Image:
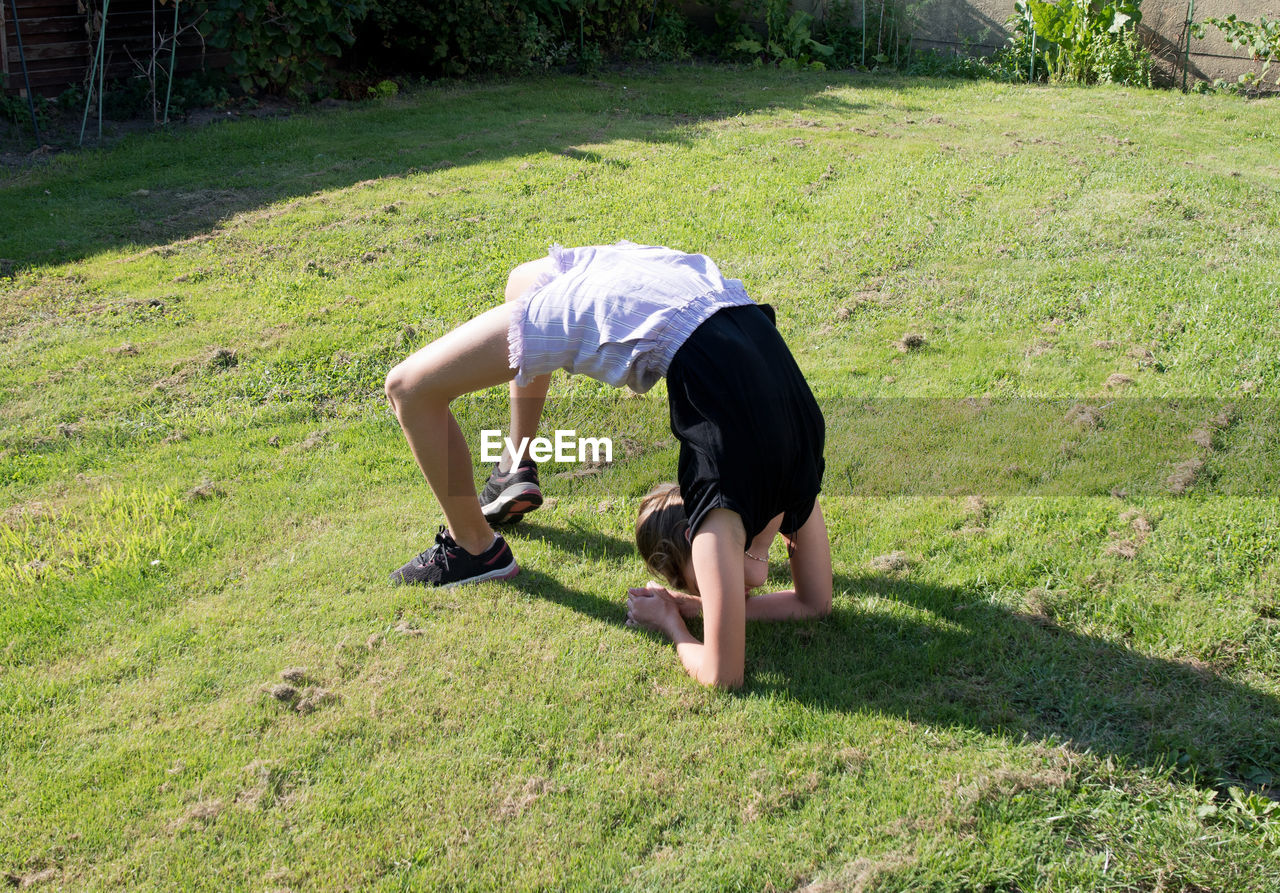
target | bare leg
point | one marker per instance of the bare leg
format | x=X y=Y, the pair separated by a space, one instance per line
x=526 y=401
x=470 y=358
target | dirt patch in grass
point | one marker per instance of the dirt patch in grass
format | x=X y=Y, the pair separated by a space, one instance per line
x=975 y=512
x=1125 y=544
x=267 y=787
x=861 y=875
x=312 y=440
x=1005 y=783
x=198 y=816
x=1144 y=356
x=207 y=489
x=214 y=359
x=27 y=513
x=518 y=802
x=910 y=341
x=1041 y=610
x=1084 y=417
x=220 y=358
x=282 y=692
x=1205 y=436
x=301 y=700
x=32 y=878
x=1117 y=380
x=312 y=698
x=892 y=562
x=1126 y=549
x=1223 y=418
x=785 y=795
x=1184 y=476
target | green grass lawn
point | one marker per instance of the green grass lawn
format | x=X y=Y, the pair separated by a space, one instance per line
x=1054 y=657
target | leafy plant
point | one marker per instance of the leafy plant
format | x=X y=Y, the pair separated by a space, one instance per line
x=384 y=89
x=1085 y=41
x=788 y=39
x=1261 y=39
x=466 y=37
x=1241 y=808
x=15 y=109
x=281 y=45
x=932 y=63
x=876 y=40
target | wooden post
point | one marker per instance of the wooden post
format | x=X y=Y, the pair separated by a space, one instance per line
x=4 y=42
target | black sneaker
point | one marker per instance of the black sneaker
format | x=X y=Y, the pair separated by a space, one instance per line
x=447 y=564
x=507 y=497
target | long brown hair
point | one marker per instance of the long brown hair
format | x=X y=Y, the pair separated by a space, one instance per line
x=661 y=526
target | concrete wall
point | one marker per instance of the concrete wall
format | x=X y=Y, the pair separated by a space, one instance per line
x=979 y=24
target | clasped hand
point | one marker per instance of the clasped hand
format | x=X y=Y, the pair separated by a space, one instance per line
x=653 y=606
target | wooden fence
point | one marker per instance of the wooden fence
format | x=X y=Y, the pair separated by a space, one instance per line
x=60 y=38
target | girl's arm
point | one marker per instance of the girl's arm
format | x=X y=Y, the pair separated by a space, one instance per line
x=810 y=552
x=717 y=562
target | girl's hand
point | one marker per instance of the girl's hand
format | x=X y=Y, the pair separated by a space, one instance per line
x=651 y=608
x=689 y=606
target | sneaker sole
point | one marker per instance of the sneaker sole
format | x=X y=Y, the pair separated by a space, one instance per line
x=512 y=504
x=504 y=573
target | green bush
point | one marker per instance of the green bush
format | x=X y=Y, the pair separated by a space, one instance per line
x=931 y=63
x=280 y=45
x=466 y=37
x=453 y=39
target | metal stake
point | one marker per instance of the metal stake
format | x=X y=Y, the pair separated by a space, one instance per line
x=26 y=79
x=1186 y=60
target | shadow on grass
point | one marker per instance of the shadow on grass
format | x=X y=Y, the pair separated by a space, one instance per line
x=573 y=541
x=156 y=188
x=972 y=664
x=978 y=665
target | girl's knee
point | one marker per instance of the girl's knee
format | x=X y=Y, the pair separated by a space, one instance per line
x=524 y=276
x=406 y=383
x=397 y=385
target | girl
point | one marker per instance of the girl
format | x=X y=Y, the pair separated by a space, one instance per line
x=751 y=437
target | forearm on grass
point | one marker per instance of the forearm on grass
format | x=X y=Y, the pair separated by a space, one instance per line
x=764 y=606
x=783 y=605
x=717 y=561
x=690 y=651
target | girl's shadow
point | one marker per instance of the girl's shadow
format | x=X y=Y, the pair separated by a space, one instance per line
x=947 y=657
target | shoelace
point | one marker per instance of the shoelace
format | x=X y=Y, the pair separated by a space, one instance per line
x=441 y=547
